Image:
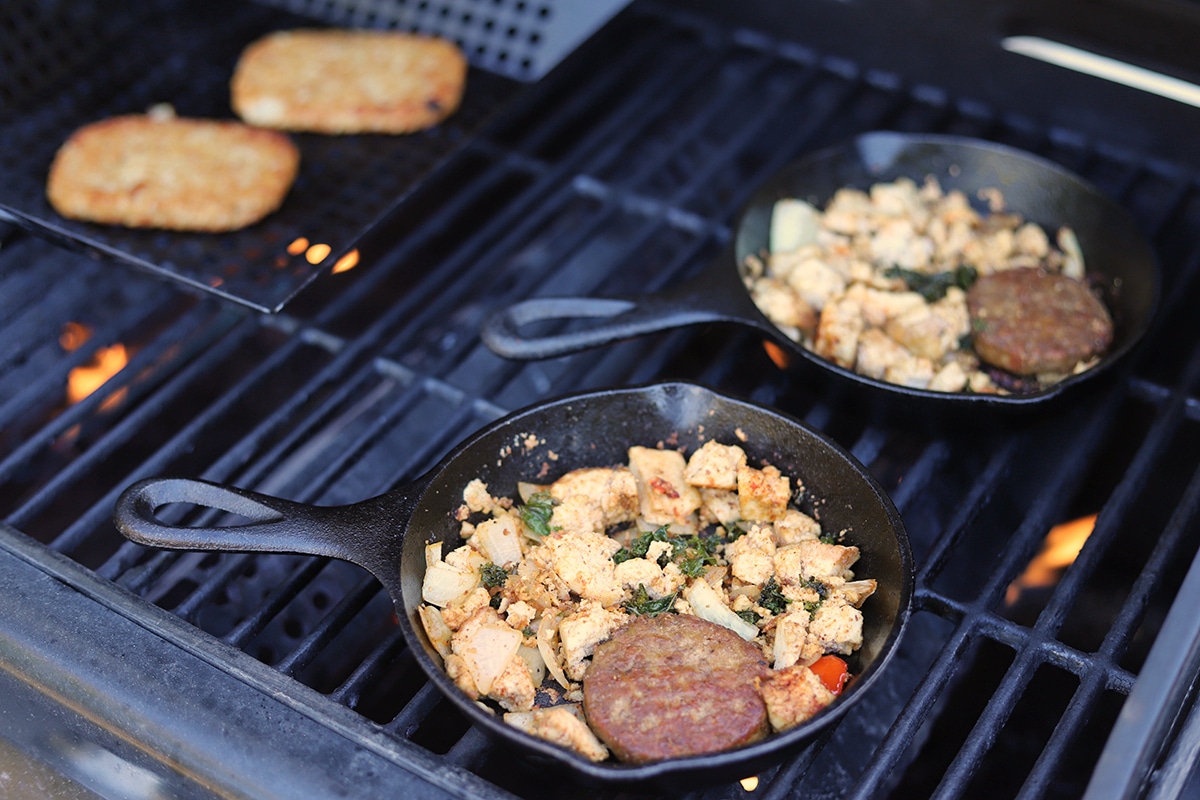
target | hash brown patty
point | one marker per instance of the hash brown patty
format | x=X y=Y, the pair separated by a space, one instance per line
x=674 y=685
x=339 y=81
x=149 y=171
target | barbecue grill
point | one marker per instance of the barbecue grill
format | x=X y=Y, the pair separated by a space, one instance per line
x=328 y=376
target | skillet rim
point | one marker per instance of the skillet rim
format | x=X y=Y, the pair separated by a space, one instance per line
x=770 y=750
x=852 y=150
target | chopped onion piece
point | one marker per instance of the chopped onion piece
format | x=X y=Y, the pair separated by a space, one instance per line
x=794 y=224
x=444 y=584
x=436 y=628
x=707 y=605
x=547 y=630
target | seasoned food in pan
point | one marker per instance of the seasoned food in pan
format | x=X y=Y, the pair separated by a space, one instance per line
x=911 y=285
x=678 y=602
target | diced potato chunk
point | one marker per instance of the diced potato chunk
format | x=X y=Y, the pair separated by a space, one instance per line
x=664 y=495
x=763 y=494
x=792 y=695
x=721 y=505
x=715 y=466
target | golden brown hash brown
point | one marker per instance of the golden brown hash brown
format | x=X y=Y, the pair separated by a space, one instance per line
x=144 y=171
x=338 y=81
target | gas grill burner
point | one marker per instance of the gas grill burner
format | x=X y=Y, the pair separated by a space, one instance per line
x=1052 y=648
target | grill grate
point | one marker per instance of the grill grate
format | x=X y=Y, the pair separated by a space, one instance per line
x=606 y=182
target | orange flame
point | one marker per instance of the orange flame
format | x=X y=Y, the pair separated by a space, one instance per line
x=777 y=354
x=85 y=379
x=1059 y=550
x=317 y=253
x=346 y=262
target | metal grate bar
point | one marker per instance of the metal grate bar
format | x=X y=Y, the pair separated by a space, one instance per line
x=1074 y=718
x=310 y=567
x=53 y=380
x=1144 y=725
x=386 y=654
x=415 y=710
x=269 y=608
x=1041 y=512
x=120 y=433
x=329 y=627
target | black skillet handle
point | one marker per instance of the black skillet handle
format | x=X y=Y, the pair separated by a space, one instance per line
x=715 y=295
x=358 y=533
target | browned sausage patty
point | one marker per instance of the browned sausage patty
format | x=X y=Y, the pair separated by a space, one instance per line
x=1028 y=321
x=674 y=685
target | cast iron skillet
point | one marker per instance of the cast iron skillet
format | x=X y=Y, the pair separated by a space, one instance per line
x=387 y=534
x=1115 y=253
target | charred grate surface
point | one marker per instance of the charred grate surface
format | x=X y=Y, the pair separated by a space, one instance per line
x=90 y=62
x=607 y=182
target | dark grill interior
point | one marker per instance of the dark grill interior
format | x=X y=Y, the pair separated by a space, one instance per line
x=621 y=172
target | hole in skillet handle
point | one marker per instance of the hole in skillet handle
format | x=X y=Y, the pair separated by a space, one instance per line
x=1116 y=254
x=544 y=441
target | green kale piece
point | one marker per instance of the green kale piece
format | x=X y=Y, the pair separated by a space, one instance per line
x=641 y=603
x=641 y=545
x=749 y=616
x=772 y=597
x=537 y=511
x=493 y=575
x=696 y=553
x=822 y=591
x=735 y=530
x=933 y=287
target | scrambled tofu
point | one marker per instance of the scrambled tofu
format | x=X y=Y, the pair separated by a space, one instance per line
x=792 y=695
x=875 y=282
x=752 y=557
x=528 y=598
x=715 y=466
x=562 y=725
x=812 y=558
x=584 y=562
x=582 y=631
x=613 y=491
